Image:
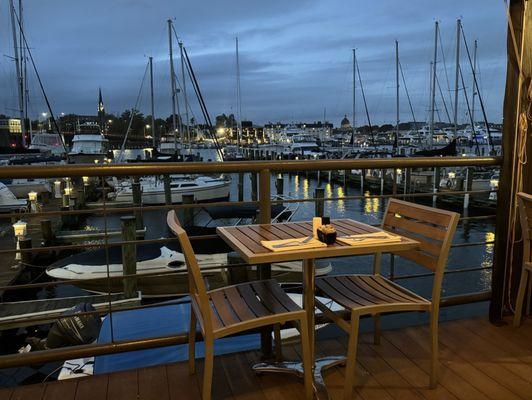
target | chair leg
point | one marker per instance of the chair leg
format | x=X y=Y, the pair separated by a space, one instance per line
x=208 y=369
x=278 y=344
x=520 y=298
x=192 y=343
x=307 y=360
x=351 y=361
x=433 y=349
x=377 y=329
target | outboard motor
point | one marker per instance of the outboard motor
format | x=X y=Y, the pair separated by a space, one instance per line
x=72 y=329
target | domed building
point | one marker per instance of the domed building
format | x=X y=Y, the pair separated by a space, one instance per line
x=345 y=123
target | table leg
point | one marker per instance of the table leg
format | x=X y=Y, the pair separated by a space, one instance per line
x=295 y=367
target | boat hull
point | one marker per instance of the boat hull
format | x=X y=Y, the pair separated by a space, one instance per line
x=201 y=195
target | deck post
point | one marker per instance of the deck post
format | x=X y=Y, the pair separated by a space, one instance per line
x=137 y=202
x=81 y=198
x=362 y=177
x=129 y=255
x=319 y=195
x=66 y=200
x=47 y=232
x=65 y=218
x=240 y=186
x=188 y=212
x=167 y=190
x=265 y=270
x=436 y=185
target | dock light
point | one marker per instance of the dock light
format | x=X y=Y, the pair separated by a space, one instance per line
x=399 y=171
x=68 y=191
x=494 y=183
x=451 y=175
x=95 y=161
x=20 y=229
x=85 y=180
x=57 y=189
x=32 y=196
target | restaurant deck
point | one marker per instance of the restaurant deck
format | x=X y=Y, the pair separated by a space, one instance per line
x=478 y=361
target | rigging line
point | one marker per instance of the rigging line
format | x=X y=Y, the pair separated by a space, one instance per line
x=409 y=101
x=365 y=106
x=52 y=117
x=443 y=100
x=202 y=103
x=445 y=68
x=469 y=110
x=133 y=112
x=481 y=101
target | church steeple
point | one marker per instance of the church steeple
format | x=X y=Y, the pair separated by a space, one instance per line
x=101 y=111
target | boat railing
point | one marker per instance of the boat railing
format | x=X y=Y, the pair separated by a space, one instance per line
x=263 y=175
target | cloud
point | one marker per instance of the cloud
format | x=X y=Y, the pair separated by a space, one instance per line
x=295 y=55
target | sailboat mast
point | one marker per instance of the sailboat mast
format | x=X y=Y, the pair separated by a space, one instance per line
x=238 y=99
x=23 y=68
x=184 y=83
x=458 y=29
x=354 y=96
x=396 y=94
x=20 y=80
x=172 y=82
x=473 y=95
x=433 y=90
x=153 y=131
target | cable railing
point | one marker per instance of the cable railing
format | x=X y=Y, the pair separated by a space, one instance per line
x=261 y=174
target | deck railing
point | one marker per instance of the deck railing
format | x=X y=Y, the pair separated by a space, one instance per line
x=261 y=197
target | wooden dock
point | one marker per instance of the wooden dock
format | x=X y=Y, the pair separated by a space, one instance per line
x=478 y=361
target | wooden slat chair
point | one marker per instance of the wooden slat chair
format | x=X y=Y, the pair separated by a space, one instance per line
x=232 y=309
x=525 y=218
x=374 y=294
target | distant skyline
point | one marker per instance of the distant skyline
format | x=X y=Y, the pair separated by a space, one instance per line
x=295 y=57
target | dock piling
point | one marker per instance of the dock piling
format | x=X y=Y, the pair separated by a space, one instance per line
x=25 y=256
x=167 y=190
x=137 y=202
x=319 y=194
x=279 y=185
x=47 y=232
x=468 y=187
x=435 y=185
x=240 y=186
x=129 y=255
x=188 y=213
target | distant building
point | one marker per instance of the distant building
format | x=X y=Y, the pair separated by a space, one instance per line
x=345 y=124
x=280 y=132
x=10 y=132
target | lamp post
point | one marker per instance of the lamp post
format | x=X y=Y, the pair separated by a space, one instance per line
x=21 y=230
x=57 y=189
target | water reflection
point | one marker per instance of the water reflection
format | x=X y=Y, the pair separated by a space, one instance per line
x=487 y=259
x=371 y=204
x=340 y=203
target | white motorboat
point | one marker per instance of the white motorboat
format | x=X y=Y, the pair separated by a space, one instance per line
x=8 y=201
x=89 y=145
x=203 y=188
x=171 y=266
x=21 y=187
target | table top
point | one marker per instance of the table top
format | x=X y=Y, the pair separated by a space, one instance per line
x=245 y=239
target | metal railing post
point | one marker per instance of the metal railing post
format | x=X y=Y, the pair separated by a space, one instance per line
x=129 y=255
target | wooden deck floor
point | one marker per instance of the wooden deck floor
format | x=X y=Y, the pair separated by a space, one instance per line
x=478 y=361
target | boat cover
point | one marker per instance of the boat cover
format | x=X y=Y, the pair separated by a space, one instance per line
x=169 y=319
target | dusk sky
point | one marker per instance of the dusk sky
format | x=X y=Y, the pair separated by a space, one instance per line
x=295 y=56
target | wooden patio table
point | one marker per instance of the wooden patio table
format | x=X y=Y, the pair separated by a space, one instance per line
x=246 y=240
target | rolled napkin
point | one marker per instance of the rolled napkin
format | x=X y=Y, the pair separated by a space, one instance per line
x=292 y=244
x=369 y=238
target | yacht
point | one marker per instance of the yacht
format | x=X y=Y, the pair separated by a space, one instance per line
x=21 y=187
x=203 y=188
x=47 y=142
x=89 y=145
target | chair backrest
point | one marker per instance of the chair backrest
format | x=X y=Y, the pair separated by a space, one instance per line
x=431 y=227
x=196 y=285
x=525 y=218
